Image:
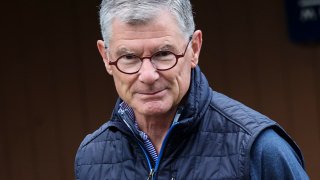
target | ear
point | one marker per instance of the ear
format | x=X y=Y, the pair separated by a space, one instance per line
x=103 y=53
x=196 y=44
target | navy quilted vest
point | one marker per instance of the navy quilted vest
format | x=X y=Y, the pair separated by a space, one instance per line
x=211 y=141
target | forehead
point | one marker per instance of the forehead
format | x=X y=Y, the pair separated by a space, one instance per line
x=162 y=28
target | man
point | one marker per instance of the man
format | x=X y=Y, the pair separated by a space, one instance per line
x=168 y=123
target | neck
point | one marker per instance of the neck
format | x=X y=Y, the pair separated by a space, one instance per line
x=155 y=127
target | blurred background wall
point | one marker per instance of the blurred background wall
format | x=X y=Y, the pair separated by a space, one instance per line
x=54 y=89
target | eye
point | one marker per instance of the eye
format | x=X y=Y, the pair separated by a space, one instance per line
x=162 y=54
x=128 y=56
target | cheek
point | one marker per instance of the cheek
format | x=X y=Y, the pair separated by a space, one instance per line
x=185 y=72
x=183 y=81
x=122 y=85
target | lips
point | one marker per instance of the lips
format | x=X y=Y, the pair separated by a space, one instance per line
x=152 y=93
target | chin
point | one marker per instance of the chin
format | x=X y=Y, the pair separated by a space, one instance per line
x=152 y=109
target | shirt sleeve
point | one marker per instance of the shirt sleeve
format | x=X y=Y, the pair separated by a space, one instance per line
x=272 y=157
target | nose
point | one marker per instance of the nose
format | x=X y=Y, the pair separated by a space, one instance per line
x=148 y=73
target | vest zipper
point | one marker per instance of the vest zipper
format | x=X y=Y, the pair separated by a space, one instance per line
x=150 y=177
x=151 y=169
x=140 y=143
x=174 y=123
x=162 y=148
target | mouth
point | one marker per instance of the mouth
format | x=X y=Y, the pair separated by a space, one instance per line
x=153 y=93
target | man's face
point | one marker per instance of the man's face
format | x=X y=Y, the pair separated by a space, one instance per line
x=150 y=92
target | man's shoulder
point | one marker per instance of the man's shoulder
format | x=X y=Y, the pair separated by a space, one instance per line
x=105 y=147
x=93 y=147
x=260 y=130
x=93 y=144
x=96 y=135
x=242 y=116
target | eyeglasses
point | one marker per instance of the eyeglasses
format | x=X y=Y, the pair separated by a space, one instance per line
x=161 y=60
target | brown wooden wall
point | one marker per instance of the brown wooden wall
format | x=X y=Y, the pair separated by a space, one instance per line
x=54 y=90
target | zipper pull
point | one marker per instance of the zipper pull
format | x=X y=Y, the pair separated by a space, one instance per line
x=150 y=177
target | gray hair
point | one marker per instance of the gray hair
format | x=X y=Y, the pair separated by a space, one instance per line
x=135 y=12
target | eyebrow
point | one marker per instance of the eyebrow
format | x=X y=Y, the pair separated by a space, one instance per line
x=123 y=51
x=167 y=47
